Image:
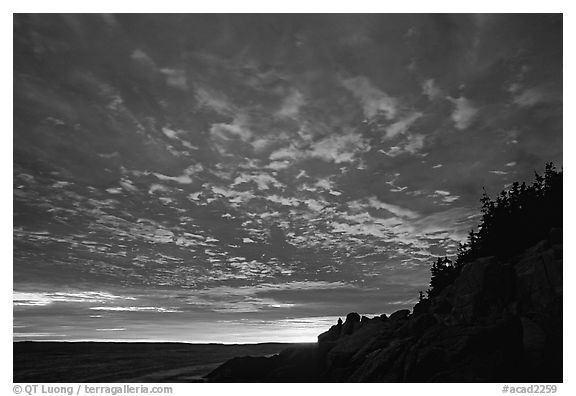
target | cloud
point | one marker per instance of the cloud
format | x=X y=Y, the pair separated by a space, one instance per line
x=415 y=143
x=454 y=223
x=135 y=309
x=291 y=105
x=155 y=187
x=175 y=135
x=286 y=201
x=445 y=196
x=262 y=180
x=277 y=165
x=230 y=131
x=176 y=78
x=464 y=112
x=394 y=209
x=47 y=298
x=184 y=178
x=215 y=101
x=333 y=148
x=412 y=144
x=225 y=136
x=113 y=329
x=359 y=229
x=262 y=144
x=401 y=127
x=235 y=198
x=529 y=97
x=142 y=56
x=339 y=148
x=431 y=90
x=373 y=100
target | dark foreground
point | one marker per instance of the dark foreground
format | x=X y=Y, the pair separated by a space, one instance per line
x=126 y=362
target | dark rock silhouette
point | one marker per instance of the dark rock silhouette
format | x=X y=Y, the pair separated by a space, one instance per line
x=297 y=364
x=487 y=318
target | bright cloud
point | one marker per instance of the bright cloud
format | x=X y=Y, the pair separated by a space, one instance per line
x=528 y=97
x=401 y=126
x=464 y=112
x=373 y=100
x=431 y=90
x=291 y=105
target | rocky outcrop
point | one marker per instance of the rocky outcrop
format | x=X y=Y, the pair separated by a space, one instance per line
x=298 y=364
x=499 y=321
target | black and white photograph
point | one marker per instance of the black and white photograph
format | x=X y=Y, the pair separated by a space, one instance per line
x=287 y=198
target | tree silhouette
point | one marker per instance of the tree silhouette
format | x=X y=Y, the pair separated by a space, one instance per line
x=517 y=218
x=443 y=274
x=512 y=222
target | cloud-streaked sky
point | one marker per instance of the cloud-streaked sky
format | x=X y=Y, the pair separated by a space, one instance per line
x=249 y=178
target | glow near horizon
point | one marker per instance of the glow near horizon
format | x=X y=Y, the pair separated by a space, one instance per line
x=294 y=330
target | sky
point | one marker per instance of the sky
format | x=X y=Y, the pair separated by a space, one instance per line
x=253 y=177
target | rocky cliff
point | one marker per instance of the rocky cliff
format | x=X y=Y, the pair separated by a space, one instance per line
x=499 y=321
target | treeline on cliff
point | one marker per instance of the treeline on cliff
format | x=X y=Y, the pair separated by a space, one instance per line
x=514 y=220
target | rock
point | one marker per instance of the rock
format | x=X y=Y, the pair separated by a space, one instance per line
x=245 y=369
x=400 y=315
x=329 y=339
x=441 y=306
x=555 y=237
x=344 y=353
x=463 y=353
x=417 y=326
x=331 y=335
x=384 y=364
x=539 y=277
x=296 y=364
x=533 y=340
x=352 y=319
x=421 y=307
x=497 y=290
x=468 y=287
